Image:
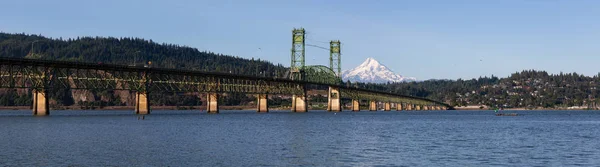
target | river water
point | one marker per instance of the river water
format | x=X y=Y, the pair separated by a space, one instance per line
x=281 y=138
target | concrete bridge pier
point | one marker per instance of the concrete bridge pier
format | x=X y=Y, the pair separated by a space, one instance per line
x=40 y=103
x=212 y=103
x=334 y=104
x=142 y=104
x=398 y=106
x=299 y=103
x=418 y=108
x=387 y=106
x=355 y=105
x=262 y=103
x=409 y=107
x=372 y=105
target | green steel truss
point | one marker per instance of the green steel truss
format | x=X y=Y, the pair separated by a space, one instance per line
x=31 y=74
x=298 y=48
x=387 y=97
x=49 y=75
x=335 y=58
x=321 y=74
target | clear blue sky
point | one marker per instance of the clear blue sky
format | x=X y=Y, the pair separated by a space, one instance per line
x=424 y=39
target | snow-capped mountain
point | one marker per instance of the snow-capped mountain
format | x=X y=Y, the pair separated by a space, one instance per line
x=374 y=72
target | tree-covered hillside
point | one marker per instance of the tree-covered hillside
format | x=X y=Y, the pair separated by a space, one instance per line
x=128 y=51
x=124 y=51
x=526 y=89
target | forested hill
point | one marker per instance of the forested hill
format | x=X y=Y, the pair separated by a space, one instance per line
x=126 y=51
x=525 y=89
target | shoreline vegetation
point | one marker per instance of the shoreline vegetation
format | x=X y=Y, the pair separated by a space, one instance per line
x=522 y=108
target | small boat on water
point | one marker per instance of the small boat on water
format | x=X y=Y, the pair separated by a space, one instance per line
x=507 y=114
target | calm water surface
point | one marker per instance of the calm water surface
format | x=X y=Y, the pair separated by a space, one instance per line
x=281 y=138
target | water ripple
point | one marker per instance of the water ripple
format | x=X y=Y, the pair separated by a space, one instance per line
x=187 y=138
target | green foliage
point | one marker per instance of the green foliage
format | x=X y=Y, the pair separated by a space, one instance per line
x=528 y=88
x=131 y=51
x=127 y=51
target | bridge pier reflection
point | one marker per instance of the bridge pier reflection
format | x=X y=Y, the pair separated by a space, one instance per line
x=142 y=105
x=40 y=103
x=262 y=103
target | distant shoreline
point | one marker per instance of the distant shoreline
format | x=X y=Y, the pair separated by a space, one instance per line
x=520 y=109
x=247 y=108
x=133 y=107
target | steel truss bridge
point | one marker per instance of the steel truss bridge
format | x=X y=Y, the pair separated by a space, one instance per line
x=43 y=75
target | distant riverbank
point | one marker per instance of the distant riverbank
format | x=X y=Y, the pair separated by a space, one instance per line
x=245 y=108
x=520 y=109
x=133 y=107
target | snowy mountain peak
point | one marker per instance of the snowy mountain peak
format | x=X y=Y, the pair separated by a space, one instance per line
x=373 y=71
x=370 y=62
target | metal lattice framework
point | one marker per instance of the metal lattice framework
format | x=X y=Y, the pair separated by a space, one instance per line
x=386 y=97
x=37 y=74
x=335 y=58
x=321 y=74
x=49 y=75
x=298 y=48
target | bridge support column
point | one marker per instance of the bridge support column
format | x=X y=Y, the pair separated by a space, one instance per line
x=418 y=108
x=333 y=103
x=399 y=107
x=142 y=105
x=212 y=103
x=40 y=103
x=262 y=103
x=355 y=105
x=372 y=106
x=387 y=106
x=299 y=103
x=409 y=106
